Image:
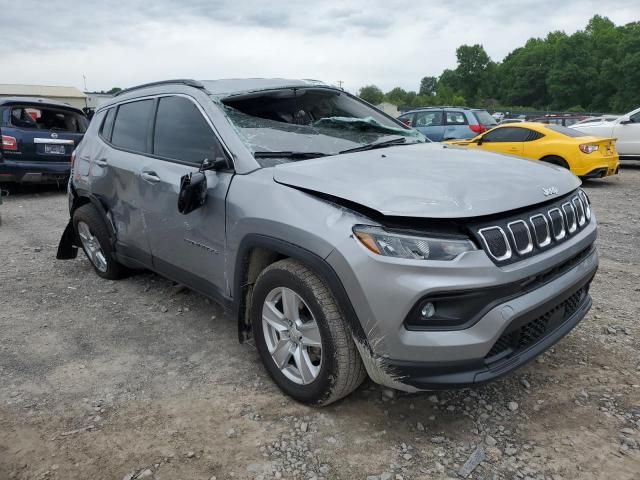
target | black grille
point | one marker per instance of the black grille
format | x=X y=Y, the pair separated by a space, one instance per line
x=496 y=241
x=516 y=340
x=540 y=229
x=520 y=236
x=507 y=240
x=570 y=215
x=557 y=223
x=577 y=204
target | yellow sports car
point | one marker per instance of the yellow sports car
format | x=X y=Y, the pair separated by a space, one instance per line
x=585 y=156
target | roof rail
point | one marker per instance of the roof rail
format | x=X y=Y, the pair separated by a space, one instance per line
x=179 y=81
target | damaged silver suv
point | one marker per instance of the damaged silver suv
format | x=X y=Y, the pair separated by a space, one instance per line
x=345 y=243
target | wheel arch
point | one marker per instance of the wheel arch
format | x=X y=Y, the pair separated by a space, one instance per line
x=256 y=252
x=556 y=160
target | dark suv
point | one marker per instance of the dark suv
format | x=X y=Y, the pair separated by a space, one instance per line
x=38 y=137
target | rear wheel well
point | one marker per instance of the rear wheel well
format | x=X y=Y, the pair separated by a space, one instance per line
x=556 y=160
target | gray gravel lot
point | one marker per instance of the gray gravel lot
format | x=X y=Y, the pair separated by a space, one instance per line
x=139 y=379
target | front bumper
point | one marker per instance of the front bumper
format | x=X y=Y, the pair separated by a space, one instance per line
x=526 y=337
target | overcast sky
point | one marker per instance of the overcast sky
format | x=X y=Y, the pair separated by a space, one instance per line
x=388 y=43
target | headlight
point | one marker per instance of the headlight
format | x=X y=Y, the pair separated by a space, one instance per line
x=415 y=247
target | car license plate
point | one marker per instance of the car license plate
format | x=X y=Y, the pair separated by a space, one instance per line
x=54 y=149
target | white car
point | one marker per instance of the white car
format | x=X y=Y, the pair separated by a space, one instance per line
x=626 y=129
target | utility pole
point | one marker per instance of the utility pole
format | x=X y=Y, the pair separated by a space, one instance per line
x=84 y=78
x=340 y=82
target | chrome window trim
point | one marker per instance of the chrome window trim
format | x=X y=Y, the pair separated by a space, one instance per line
x=529 y=247
x=158 y=96
x=582 y=219
x=570 y=228
x=564 y=230
x=547 y=241
x=508 y=252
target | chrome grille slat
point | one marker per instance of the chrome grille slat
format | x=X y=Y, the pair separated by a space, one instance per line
x=529 y=244
x=579 y=207
x=570 y=216
x=491 y=243
x=547 y=238
x=561 y=233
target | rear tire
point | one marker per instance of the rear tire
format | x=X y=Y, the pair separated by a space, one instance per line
x=93 y=235
x=333 y=365
x=555 y=160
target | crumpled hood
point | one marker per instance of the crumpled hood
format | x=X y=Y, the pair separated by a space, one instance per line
x=430 y=180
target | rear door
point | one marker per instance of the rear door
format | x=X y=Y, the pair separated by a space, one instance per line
x=456 y=125
x=430 y=123
x=114 y=165
x=189 y=248
x=44 y=134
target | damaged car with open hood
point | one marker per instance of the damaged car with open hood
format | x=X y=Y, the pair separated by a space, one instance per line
x=344 y=243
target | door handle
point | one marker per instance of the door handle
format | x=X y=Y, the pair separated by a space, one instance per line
x=102 y=162
x=150 y=177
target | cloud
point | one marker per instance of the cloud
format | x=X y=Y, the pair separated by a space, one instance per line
x=389 y=43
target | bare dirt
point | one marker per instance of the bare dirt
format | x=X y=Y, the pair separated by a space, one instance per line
x=137 y=379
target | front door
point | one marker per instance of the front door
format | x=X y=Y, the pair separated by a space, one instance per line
x=509 y=140
x=430 y=124
x=628 y=135
x=188 y=248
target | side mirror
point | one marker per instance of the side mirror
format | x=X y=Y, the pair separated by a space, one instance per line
x=193 y=192
x=478 y=141
x=625 y=120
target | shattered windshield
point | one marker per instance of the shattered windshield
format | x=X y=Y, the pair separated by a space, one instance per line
x=307 y=120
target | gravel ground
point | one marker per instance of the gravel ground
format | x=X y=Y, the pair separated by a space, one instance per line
x=140 y=379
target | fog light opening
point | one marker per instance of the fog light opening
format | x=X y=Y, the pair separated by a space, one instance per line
x=428 y=310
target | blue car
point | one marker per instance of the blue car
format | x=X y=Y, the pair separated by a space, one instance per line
x=38 y=138
x=448 y=123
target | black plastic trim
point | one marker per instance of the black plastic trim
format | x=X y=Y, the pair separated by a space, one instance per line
x=318 y=264
x=443 y=375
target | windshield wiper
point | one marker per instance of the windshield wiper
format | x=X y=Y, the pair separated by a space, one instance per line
x=374 y=145
x=291 y=155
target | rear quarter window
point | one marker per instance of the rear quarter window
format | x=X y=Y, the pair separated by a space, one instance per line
x=569 y=132
x=455 y=118
x=484 y=118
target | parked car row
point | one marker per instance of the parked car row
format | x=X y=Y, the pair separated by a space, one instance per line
x=446 y=123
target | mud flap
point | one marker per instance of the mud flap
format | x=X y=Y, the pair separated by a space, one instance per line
x=67 y=248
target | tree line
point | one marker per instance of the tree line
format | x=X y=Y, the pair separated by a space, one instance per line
x=596 y=69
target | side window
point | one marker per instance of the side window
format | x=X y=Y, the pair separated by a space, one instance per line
x=635 y=118
x=131 y=126
x=407 y=119
x=429 y=119
x=507 y=134
x=182 y=133
x=455 y=118
x=531 y=135
x=107 y=124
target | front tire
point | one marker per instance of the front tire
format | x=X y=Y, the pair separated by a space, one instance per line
x=93 y=236
x=301 y=336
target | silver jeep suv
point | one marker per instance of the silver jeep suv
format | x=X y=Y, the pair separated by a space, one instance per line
x=345 y=243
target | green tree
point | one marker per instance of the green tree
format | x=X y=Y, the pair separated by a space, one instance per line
x=428 y=86
x=114 y=90
x=397 y=96
x=371 y=94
